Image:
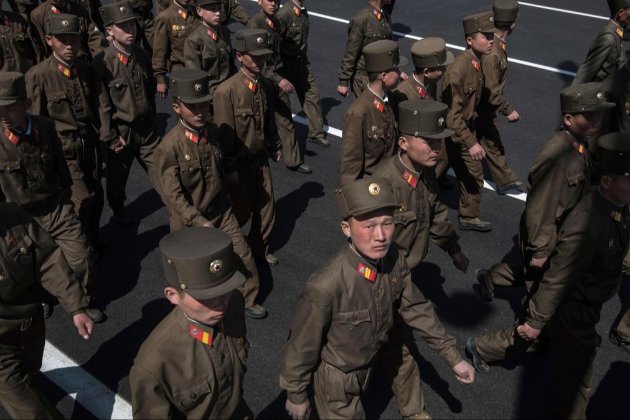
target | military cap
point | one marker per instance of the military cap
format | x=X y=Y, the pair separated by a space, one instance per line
x=365 y=195
x=430 y=52
x=62 y=24
x=190 y=86
x=584 y=97
x=253 y=42
x=617 y=5
x=505 y=10
x=200 y=262
x=12 y=87
x=382 y=55
x=119 y=12
x=200 y=3
x=479 y=22
x=613 y=154
x=425 y=119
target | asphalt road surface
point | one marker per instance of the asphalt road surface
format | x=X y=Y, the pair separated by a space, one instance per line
x=90 y=379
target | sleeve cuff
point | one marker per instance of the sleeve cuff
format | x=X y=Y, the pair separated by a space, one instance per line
x=297 y=398
x=343 y=83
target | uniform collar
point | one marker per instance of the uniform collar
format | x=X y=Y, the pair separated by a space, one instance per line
x=578 y=144
x=409 y=175
x=66 y=69
x=364 y=268
x=500 y=42
x=15 y=136
x=193 y=134
x=184 y=12
x=211 y=31
x=122 y=55
x=419 y=87
x=616 y=28
x=251 y=83
x=205 y=334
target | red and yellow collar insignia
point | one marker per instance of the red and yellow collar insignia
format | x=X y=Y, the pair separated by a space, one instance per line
x=66 y=71
x=579 y=147
x=297 y=11
x=55 y=10
x=410 y=179
x=616 y=216
x=195 y=137
x=378 y=104
x=13 y=138
x=124 y=58
x=182 y=13
x=619 y=32
x=421 y=91
x=251 y=85
x=212 y=34
x=377 y=14
x=366 y=272
x=476 y=64
x=503 y=45
x=200 y=335
x=270 y=23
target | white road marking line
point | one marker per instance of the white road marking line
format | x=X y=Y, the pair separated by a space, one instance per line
x=338 y=133
x=570 y=12
x=82 y=386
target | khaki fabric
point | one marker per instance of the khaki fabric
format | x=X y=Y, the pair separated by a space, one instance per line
x=19 y=52
x=604 y=57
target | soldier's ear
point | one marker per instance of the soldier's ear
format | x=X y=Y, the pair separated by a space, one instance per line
x=109 y=29
x=48 y=39
x=172 y=295
x=567 y=120
x=469 y=41
x=176 y=107
x=402 y=143
x=345 y=228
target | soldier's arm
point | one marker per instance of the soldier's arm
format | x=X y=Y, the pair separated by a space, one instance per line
x=595 y=59
x=352 y=150
x=37 y=32
x=453 y=95
x=310 y=325
x=491 y=74
x=108 y=131
x=442 y=231
x=161 y=48
x=225 y=120
x=271 y=129
x=237 y=12
x=36 y=93
x=148 y=399
x=192 y=53
x=61 y=163
x=354 y=44
x=95 y=37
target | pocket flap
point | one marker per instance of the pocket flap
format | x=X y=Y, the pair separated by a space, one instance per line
x=354 y=318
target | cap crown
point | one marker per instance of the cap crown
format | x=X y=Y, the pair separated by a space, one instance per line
x=12 y=87
x=479 y=22
x=62 y=24
x=365 y=195
x=613 y=154
x=616 y=5
x=381 y=55
x=189 y=85
x=252 y=40
x=423 y=119
x=583 y=97
x=505 y=10
x=429 y=53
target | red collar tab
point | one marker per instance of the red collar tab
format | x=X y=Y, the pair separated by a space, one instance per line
x=5 y=20
x=410 y=179
x=378 y=104
x=619 y=32
x=182 y=13
x=503 y=45
x=421 y=91
x=270 y=23
x=366 y=272
x=195 y=137
x=297 y=11
x=13 y=138
x=200 y=335
x=67 y=71
x=251 y=85
x=212 y=34
x=124 y=58
x=476 y=64
x=579 y=147
x=377 y=14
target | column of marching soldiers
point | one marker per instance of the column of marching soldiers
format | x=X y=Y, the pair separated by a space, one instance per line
x=77 y=89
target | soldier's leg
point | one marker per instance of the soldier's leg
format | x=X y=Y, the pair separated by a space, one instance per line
x=241 y=193
x=263 y=212
x=506 y=344
x=286 y=131
x=245 y=261
x=359 y=83
x=308 y=94
x=499 y=169
x=118 y=167
x=148 y=140
x=470 y=176
x=337 y=394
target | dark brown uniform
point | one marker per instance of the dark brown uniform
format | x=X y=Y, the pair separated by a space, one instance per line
x=366 y=26
x=369 y=136
x=230 y=9
x=295 y=65
x=29 y=260
x=146 y=24
x=604 y=57
x=17 y=50
x=91 y=40
x=69 y=95
x=617 y=90
x=127 y=110
x=176 y=374
x=345 y=314
x=193 y=182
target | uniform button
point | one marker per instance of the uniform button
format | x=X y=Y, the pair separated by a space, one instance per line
x=381 y=292
x=190 y=170
x=187 y=157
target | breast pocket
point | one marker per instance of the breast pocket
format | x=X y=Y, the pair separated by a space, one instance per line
x=376 y=141
x=58 y=103
x=470 y=87
x=10 y=166
x=117 y=90
x=16 y=275
x=191 y=173
x=190 y=398
x=356 y=323
x=405 y=229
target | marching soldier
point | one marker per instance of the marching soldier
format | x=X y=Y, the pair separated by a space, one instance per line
x=336 y=335
x=193 y=180
x=369 y=125
x=30 y=262
x=18 y=52
x=66 y=90
x=146 y=24
x=127 y=105
x=193 y=363
x=368 y=25
x=297 y=69
x=230 y=9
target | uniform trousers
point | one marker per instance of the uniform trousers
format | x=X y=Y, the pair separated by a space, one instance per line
x=299 y=73
x=284 y=121
x=338 y=394
x=489 y=138
x=142 y=139
x=21 y=352
x=442 y=163
x=359 y=82
x=253 y=198
x=469 y=173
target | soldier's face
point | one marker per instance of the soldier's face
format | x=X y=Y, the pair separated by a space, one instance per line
x=391 y=77
x=616 y=188
x=183 y=2
x=270 y=7
x=481 y=43
x=195 y=115
x=123 y=33
x=252 y=63
x=210 y=13
x=371 y=234
x=420 y=151
x=435 y=73
x=585 y=126
x=65 y=46
x=14 y=115
x=206 y=311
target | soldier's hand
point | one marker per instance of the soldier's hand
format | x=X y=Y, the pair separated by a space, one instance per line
x=162 y=89
x=286 y=86
x=527 y=333
x=232 y=178
x=343 y=90
x=538 y=262
x=277 y=156
x=464 y=372
x=513 y=117
x=404 y=76
x=298 y=411
x=477 y=152
x=84 y=324
x=117 y=145
x=460 y=260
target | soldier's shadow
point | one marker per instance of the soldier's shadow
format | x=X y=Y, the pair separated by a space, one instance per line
x=613 y=390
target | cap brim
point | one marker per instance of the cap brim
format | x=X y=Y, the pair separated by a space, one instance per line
x=260 y=52
x=4 y=102
x=65 y=33
x=447 y=132
x=450 y=57
x=370 y=209
x=601 y=107
x=232 y=283
x=123 y=20
x=199 y=100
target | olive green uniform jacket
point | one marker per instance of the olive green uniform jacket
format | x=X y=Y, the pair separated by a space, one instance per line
x=604 y=57
x=421 y=215
x=17 y=51
x=369 y=136
x=617 y=89
x=178 y=375
x=495 y=73
x=273 y=26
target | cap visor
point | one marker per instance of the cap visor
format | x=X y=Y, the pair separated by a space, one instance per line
x=232 y=283
x=258 y=53
x=199 y=100
x=450 y=57
x=369 y=209
x=4 y=102
x=447 y=132
x=604 y=106
x=123 y=20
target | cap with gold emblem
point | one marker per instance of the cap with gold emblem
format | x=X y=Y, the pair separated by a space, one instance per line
x=429 y=53
x=613 y=154
x=200 y=262
x=617 y=5
x=426 y=119
x=62 y=24
x=365 y=195
x=12 y=87
x=190 y=86
x=479 y=22
x=584 y=97
x=253 y=42
x=118 y=12
x=505 y=10
x=382 y=55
